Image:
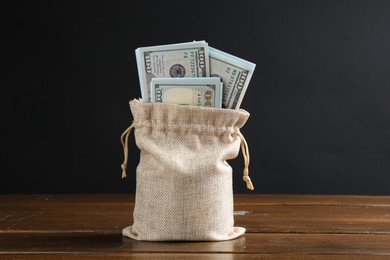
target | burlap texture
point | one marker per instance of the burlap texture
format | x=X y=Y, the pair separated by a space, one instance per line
x=184 y=185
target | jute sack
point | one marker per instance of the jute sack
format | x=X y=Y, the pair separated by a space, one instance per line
x=184 y=185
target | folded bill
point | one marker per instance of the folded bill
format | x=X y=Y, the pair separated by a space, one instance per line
x=188 y=91
x=189 y=59
x=235 y=74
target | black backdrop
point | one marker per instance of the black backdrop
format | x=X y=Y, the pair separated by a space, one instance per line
x=319 y=98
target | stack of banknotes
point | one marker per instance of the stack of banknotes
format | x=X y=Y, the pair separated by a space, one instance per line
x=192 y=73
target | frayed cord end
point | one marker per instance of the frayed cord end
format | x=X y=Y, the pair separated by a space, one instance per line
x=247 y=180
x=124 y=167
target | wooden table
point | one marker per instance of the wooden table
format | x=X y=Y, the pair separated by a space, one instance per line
x=278 y=227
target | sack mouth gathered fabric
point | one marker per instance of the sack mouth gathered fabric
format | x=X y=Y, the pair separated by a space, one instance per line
x=183 y=181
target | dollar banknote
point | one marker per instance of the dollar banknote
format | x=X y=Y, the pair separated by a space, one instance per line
x=235 y=74
x=189 y=59
x=188 y=91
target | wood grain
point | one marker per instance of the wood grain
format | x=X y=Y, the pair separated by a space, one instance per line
x=197 y=256
x=250 y=243
x=285 y=226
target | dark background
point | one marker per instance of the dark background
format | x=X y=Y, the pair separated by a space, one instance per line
x=319 y=98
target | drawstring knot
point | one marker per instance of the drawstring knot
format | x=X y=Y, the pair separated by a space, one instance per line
x=124 y=141
x=245 y=153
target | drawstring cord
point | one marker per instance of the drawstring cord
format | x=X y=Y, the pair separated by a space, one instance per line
x=124 y=141
x=245 y=153
x=244 y=149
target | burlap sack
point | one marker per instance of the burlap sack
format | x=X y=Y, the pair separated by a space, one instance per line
x=183 y=183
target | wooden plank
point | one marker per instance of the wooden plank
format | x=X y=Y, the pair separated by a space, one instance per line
x=51 y=216
x=197 y=256
x=304 y=200
x=111 y=213
x=278 y=226
x=314 y=219
x=293 y=244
